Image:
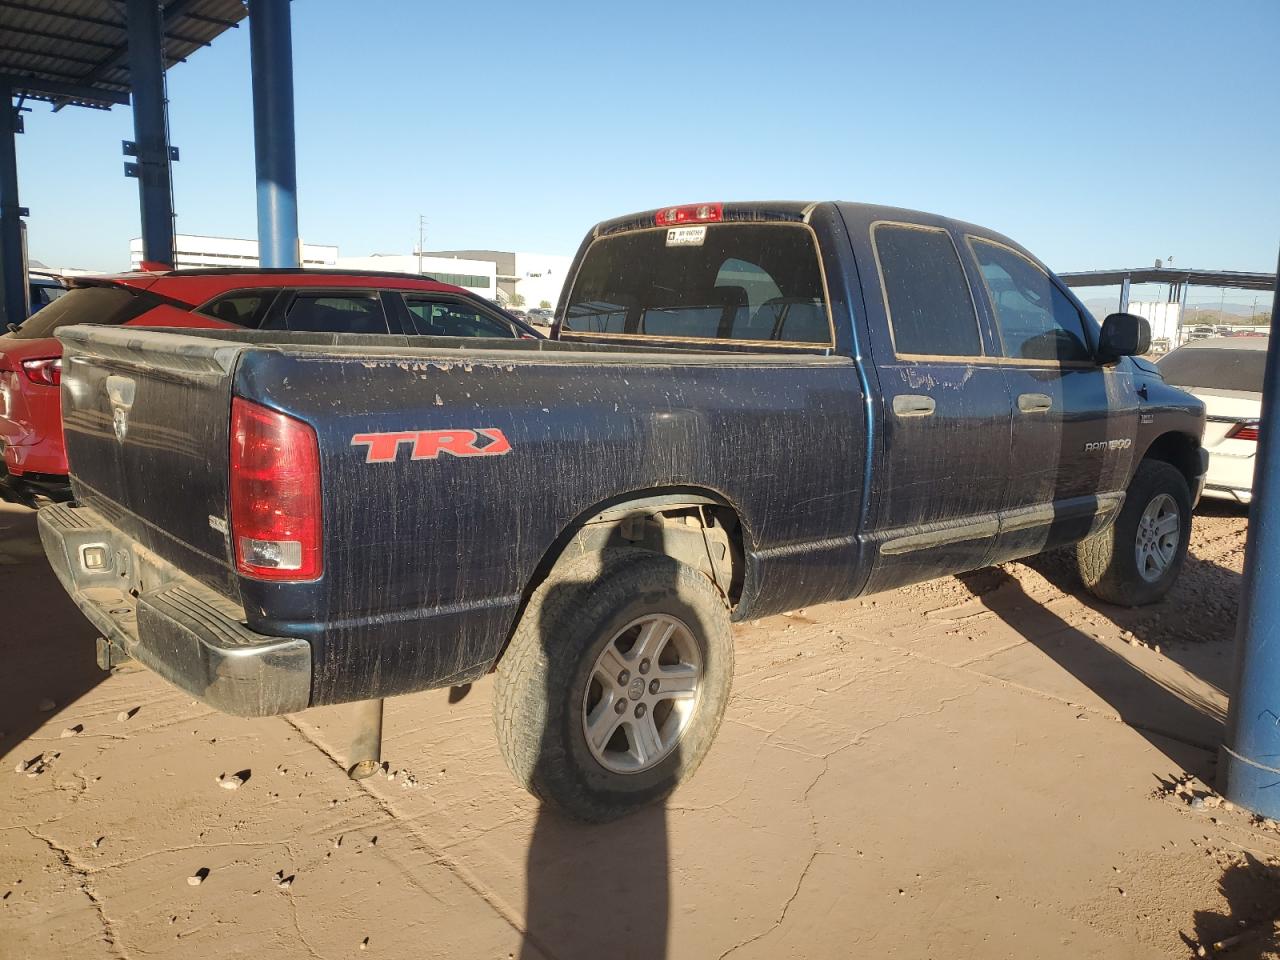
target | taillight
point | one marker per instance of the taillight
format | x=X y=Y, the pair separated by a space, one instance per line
x=694 y=213
x=46 y=372
x=1248 y=430
x=276 y=522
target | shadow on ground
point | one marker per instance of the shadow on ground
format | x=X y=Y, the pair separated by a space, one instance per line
x=46 y=644
x=1248 y=930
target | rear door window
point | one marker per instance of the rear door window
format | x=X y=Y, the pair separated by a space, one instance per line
x=446 y=318
x=721 y=281
x=1036 y=320
x=927 y=297
x=106 y=305
x=245 y=308
x=336 y=313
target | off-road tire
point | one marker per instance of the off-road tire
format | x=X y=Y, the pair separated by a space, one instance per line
x=542 y=677
x=1106 y=560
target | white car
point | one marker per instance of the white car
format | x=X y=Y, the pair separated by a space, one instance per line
x=1226 y=373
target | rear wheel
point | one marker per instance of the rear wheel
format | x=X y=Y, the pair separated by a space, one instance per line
x=1137 y=559
x=615 y=683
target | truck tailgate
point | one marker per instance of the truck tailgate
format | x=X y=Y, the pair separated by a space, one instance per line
x=146 y=418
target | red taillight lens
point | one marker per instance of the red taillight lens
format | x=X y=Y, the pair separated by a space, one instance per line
x=46 y=372
x=694 y=213
x=276 y=520
x=1244 y=431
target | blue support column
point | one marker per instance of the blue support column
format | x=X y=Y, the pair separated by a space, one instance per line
x=1249 y=767
x=13 y=261
x=150 y=129
x=271 y=54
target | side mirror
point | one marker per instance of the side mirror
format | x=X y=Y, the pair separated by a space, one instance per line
x=1123 y=335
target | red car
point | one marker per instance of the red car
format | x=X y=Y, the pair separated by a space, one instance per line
x=312 y=300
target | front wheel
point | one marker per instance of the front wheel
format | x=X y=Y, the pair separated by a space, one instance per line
x=1136 y=560
x=614 y=684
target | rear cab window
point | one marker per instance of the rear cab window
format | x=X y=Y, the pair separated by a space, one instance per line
x=108 y=305
x=758 y=283
x=927 y=296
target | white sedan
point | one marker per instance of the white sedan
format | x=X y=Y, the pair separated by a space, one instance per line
x=1226 y=373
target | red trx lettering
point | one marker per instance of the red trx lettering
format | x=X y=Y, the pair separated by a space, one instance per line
x=429 y=444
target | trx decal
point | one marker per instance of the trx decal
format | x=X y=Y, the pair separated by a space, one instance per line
x=429 y=444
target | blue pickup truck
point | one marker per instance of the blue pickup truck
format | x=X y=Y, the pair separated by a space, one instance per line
x=745 y=408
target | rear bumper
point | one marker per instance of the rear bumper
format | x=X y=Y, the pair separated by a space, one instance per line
x=187 y=633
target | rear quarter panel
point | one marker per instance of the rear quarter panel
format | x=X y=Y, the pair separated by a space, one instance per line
x=426 y=560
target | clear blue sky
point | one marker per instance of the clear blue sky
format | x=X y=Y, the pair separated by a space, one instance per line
x=1098 y=134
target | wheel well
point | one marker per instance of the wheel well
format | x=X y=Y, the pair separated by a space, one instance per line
x=694 y=526
x=1179 y=450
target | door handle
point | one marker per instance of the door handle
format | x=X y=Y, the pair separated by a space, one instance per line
x=911 y=405
x=1034 y=402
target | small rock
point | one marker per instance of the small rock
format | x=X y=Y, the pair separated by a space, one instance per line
x=233 y=782
x=1213 y=800
x=21 y=767
x=124 y=716
x=198 y=877
x=98 y=842
x=283 y=882
x=1197 y=803
x=392 y=775
x=364 y=944
x=46 y=705
x=72 y=731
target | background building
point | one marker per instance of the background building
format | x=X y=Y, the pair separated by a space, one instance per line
x=194 y=251
x=523 y=279
x=479 y=276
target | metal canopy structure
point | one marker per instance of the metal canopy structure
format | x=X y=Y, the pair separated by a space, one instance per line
x=104 y=53
x=1180 y=281
x=76 y=52
x=1200 y=278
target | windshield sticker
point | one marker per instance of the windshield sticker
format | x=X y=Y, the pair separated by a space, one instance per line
x=686 y=236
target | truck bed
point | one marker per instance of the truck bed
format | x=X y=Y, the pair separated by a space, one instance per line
x=428 y=558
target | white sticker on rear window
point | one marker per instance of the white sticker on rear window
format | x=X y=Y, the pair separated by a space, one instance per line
x=686 y=236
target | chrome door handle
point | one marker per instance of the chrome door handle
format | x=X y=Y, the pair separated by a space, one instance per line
x=911 y=405
x=1034 y=402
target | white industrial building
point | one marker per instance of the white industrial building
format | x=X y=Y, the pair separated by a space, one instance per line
x=526 y=280
x=195 y=251
x=478 y=276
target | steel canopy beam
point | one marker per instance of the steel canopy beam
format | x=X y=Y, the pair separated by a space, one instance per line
x=271 y=61
x=1250 y=759
x=13 y=266
x=57 y=88
x=151 y=129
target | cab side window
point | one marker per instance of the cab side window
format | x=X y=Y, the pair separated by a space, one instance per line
x=336 y=313
x=446 y=318
x=1035 y=319
x=927 y=297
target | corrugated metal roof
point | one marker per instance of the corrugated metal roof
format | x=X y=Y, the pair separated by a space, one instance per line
x=76 y=52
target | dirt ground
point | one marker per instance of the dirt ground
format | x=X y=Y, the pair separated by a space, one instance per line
x=985 y=766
